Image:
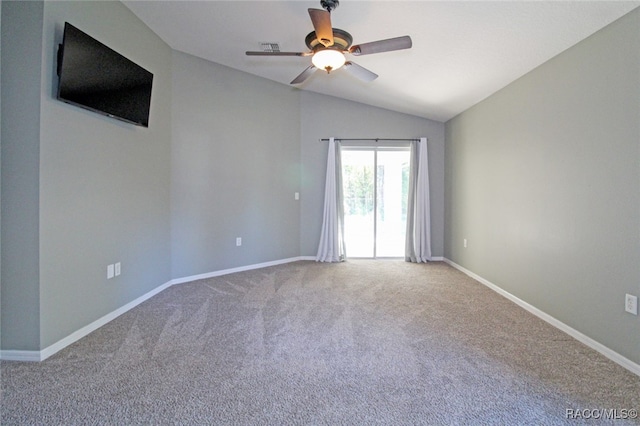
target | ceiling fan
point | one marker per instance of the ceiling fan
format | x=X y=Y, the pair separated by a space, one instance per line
x=328 y=46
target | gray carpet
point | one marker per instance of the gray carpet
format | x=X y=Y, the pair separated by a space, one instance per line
x=362 y=342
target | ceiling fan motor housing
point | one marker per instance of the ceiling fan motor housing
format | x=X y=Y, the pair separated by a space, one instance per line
x=341 y=40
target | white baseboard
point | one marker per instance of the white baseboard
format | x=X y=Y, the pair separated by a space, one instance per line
x=11 y=355
x=18 y=355
x=238 y=269
x=28 y=356
x=599 y=347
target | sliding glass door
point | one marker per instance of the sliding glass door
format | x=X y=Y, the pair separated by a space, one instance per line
x=375 y=188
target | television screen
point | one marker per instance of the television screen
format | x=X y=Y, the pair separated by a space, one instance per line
x=95 y=77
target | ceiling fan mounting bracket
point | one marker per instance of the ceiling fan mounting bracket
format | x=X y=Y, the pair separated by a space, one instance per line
x=329 y=5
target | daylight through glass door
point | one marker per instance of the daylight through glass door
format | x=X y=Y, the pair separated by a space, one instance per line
x=375 y=189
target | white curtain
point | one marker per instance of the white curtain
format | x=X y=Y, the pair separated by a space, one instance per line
x=332 y=247
x=418 y=241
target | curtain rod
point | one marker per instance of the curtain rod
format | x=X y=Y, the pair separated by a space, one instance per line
x=372 y=139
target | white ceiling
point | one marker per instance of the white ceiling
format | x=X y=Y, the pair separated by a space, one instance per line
x=463 y=51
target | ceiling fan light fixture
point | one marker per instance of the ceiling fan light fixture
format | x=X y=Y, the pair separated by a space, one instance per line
x=328 y=59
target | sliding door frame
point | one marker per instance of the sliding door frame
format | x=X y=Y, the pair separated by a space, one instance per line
x=360 y=146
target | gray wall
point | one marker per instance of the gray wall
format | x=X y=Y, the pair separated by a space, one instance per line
x=222 y=158
x=21 y=58
x=92 y=190
x=104 y=184
x=235 y=168
x=0 y=175
x=325 y=116
x=242 y=146
x=542 y=180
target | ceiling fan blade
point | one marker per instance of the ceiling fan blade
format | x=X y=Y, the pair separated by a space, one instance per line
x=388 y=45
x=304 y=75
x=359 y=72
x=322 y=24
x=249 y=53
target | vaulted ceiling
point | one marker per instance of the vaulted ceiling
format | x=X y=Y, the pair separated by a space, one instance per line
x=463 y=51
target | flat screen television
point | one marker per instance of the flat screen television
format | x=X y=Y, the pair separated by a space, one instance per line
x=95 y=77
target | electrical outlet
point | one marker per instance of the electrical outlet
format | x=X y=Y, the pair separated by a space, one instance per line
x=238 y=241
x=464 y=243
x=110 y=271
x=118 y=269
x=296 y=195
x=631 y=304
